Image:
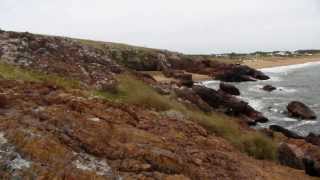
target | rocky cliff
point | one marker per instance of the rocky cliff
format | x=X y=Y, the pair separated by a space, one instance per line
x=65 y=113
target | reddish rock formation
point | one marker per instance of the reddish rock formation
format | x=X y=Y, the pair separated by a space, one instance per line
x=56 y=134
x=300 y=155
x=62 y=56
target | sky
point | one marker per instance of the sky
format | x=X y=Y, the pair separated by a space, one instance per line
x=187 y=26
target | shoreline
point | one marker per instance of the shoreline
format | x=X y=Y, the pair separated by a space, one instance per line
x=280 y=61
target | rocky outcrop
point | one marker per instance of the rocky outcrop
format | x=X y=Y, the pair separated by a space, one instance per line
x=299 y=110
x=189 y=95
x=51 y=133
x=300 y=155
x=230 y=104
x=230 y=89
x=239 y=73
x=286 y=132
x=269 y=88
x=62 y=56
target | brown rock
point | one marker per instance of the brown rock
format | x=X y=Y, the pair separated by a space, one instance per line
x=291 y=155
x=299 y=110
x=4 y=102
x=230 y=89
x=269 y=88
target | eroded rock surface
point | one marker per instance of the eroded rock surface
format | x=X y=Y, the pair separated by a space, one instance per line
x=62 y=56
x=54 y=133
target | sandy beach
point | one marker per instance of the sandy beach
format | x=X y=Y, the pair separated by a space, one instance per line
x=278 y=61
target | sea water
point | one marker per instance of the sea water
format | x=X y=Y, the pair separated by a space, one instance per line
x=294 y=83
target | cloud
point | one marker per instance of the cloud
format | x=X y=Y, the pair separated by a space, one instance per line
x=202 y=26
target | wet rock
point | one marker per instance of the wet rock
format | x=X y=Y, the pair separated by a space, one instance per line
x=286 y=132
x=269 y=88
x=299 y=110
x=230 y=89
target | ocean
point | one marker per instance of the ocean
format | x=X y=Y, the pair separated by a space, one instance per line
x=294 y=83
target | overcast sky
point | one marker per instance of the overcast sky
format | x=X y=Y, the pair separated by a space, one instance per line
x=189 y=26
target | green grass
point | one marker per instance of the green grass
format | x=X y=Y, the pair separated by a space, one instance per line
x=8 y=71
x=252 y=143
x=133 y=91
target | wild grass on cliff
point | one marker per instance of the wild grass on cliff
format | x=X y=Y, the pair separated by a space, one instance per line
x=252 y=143
x=8 y=71
x=134 y=91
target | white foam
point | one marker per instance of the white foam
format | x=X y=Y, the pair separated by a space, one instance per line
x=285 y=69
x=287 y=119
x=286 y=90
x=210 y=84
x=256 y=104
x=301 y=124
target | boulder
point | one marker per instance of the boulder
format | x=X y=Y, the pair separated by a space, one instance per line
x=300 y=155
x=299 y=110
x=291 y=155
x=210 y=96
x=286 y=132
x=269 y=88
x=230 y=89
x=190 y=95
